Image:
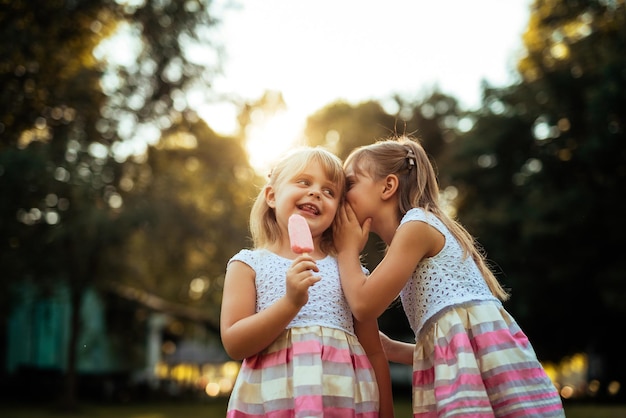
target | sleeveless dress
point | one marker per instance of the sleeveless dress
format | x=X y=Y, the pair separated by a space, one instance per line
x=471 y=358
x=316 y=367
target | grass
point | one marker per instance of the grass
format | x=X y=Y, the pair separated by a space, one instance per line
x=217 y=408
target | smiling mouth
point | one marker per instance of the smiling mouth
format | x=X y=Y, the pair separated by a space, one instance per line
x=309 y=208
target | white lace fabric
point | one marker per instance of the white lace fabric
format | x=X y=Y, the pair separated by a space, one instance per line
x=327 y=305
x=447 y=279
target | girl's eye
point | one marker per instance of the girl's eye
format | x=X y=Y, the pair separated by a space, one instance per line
x=329 y=192
x=349 y=184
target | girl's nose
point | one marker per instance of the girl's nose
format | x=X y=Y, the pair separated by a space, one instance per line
x=314 y=193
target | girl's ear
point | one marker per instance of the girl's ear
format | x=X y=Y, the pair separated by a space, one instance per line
x=391 y=186
x=270 y=197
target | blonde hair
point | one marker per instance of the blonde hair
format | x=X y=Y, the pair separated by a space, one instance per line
x=263 y=224
x=418 y=188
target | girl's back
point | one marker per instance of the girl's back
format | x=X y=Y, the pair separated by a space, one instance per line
x=448 y=278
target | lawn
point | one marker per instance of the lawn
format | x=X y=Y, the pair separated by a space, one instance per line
x=216 y=408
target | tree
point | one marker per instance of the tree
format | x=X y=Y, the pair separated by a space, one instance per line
x=192 y=208
x=70 y=115
x=540 y=174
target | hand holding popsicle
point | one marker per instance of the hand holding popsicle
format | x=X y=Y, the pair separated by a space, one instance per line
x=301 y=243
x=300 y=234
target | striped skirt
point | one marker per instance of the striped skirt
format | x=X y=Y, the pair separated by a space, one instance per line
x=307 y=372
x=474 y=361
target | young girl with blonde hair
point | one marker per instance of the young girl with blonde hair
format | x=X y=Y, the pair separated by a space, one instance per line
x=470 y=358
x=285 y=314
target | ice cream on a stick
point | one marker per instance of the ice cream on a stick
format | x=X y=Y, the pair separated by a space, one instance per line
x=300 y=234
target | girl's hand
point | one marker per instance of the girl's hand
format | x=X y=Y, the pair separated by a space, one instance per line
x=348 y=233
x=397 y=351
x=299 y=278
x=386 y=342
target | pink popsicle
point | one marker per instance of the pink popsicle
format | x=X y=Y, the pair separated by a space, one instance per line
x=300 y=234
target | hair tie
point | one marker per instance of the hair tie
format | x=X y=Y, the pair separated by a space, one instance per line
x=410 y=159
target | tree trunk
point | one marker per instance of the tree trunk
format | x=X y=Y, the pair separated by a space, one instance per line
x=68 y=396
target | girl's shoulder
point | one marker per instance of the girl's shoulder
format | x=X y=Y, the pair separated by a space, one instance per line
x=419 y=214
x=251 y=257
x=243 y=253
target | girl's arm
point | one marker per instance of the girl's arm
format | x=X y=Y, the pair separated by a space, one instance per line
x=245 y=332
x=369 y=296
x=367 y=332
x=397 y=351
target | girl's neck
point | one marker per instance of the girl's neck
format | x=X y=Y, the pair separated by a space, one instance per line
x=386 y=222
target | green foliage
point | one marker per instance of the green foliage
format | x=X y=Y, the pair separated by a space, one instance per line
x=191 y=217
x=341 y=126
x=70 y=111
x=541 y=174
x=46 y=70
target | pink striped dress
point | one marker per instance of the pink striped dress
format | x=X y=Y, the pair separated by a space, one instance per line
x=471 y=358
x=317 y=367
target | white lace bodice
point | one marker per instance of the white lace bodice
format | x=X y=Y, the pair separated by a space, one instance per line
x=327 y=305
x=443 y=280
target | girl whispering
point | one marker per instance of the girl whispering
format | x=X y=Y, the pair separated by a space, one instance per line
x=470 y=358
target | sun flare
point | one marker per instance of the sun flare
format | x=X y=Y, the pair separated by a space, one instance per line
x=269 y=136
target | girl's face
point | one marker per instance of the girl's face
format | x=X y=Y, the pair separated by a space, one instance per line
x=363 y=192
x=310 y=194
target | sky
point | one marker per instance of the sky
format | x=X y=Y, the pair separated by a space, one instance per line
x=319 y=51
